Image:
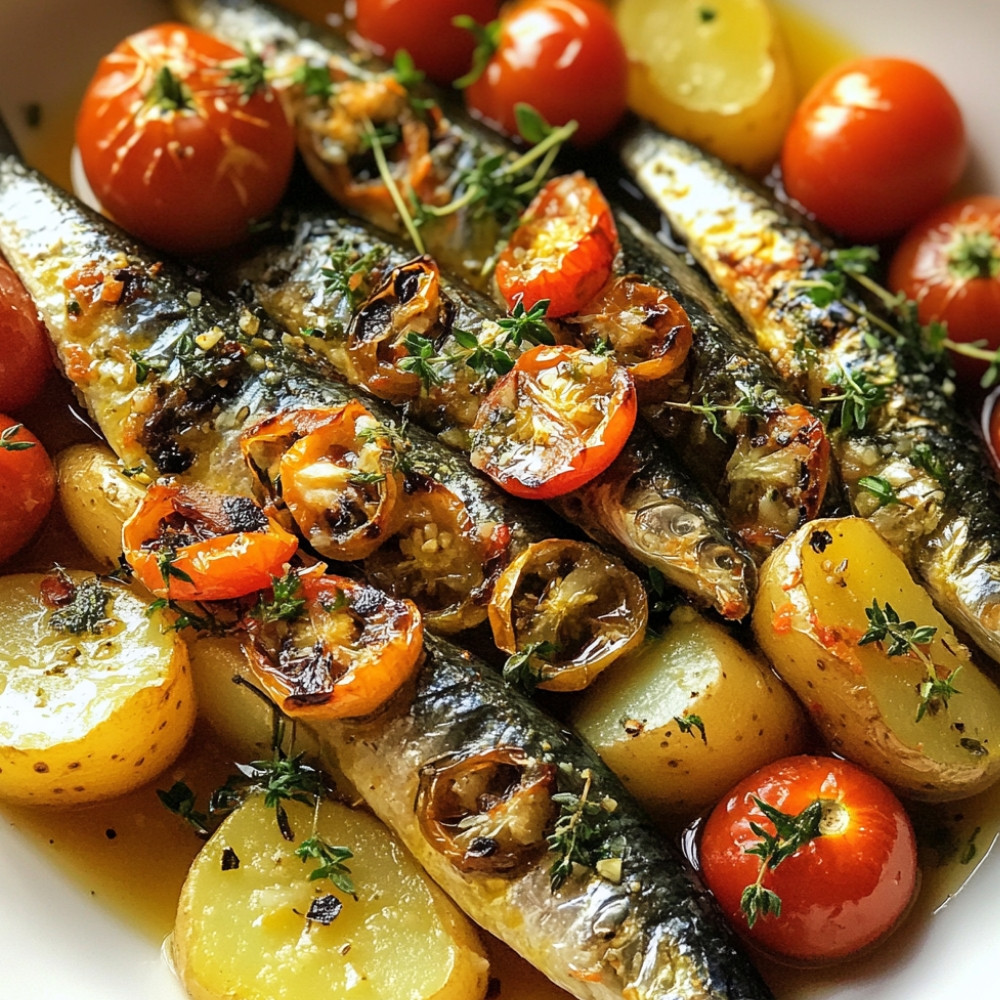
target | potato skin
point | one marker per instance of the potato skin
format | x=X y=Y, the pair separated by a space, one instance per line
x=696 y=669
x=809 y=616
x=90 y=716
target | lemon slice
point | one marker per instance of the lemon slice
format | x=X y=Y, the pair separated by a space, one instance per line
x=716 y=72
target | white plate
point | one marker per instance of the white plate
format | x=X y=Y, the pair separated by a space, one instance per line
x=57 y=942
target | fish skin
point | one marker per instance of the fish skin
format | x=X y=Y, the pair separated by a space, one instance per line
x=655 y=935
x=645 y=505
x=758 y=253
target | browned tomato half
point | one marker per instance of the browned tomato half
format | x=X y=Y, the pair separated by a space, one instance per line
x=575 y=607
x=487 y=812
x=341 y=653
x=333 y=469
x=193 y=544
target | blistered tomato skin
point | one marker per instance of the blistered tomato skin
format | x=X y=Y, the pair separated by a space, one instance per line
x=875 y=145
x=28 y=484
x=840 y=891
x=25 y=361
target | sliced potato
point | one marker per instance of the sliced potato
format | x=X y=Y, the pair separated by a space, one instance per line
x=97 y=498
x=88 y=714
x=809 y=618
x=717 y=73
x=241 y=932
x=641 y=716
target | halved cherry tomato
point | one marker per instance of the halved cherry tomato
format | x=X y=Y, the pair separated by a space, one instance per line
x=876 y=144
x=175 y=148
x=564 y=58
x=29 y=485
x=842 y=889
x=192 y=544
x=425 y=30
x=572 y=599
x=949 y=264
x=344 y=656
x=333 y=468
x=555 y=421
x=562 y=251
x=25 y=360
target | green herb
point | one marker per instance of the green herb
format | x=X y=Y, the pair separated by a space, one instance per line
x=249 y=72
x=7 y=442
x=131 y=471
x=165 y=558
x=169 y=93
x=881 y=489
x=970 y=850
x=375 y=143
x=73 y=308
x=314 y=80
x=180 y=799
x=859 y=396
x=487 y=38
x=689 y=723
x=286 y=604
x=527 y=324
x=707 y=14
x=87 y=610
x=367 y=478
x=410 y=78
x=423 y=360
x=754 y=402
x=348 y=273
x=331 y=860
x=924 y=457
x=790 y=833
x=387 y=134
x=185 y=616
x=397 y=439
x=520 y=671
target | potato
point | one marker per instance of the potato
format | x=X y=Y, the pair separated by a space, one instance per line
x=241 y=933
x=809 y=618
x=92 y=714
x=97 y=498
x=694 y=669
x=723 y=81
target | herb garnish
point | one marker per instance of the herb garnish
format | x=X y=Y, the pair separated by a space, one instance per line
x=286 y=604
x=86 y=611
x=881 y=489
x=689 y=722
x=315 y=80
x=7 y=442
x=521 y=671
x=249 y=72
x=348 y=272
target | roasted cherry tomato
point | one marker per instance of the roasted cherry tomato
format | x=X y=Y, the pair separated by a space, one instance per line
x=564 y=58
x=843 y=887
x=25 y=361
x=176 y=146
x=949 y=264
x=563 y=249
x=425 y=30
x=554 y=422
x=342 y=653
x=29 y=485
x=576 y=608
x=876 y=144
x=192 y=544
x=333 y=469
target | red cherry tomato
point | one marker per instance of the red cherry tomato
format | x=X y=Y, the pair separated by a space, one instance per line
x=174 y=147
x=556 y=420
x=839 y=891
x=29 y=485
x=25 y=361
x=949 y=264
x=562 y=251
x=425 y=29
x=876 y=144
x=565 y=59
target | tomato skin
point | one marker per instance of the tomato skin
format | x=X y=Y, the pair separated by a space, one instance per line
x=562 y=251
x=25 y=360
x=876 y=144
x=186 y=180
x=839 y=892
x=424 y=28
x=565 y=59
x=932 y=267
x=29 y=486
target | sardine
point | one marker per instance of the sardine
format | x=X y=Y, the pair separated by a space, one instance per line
x=628 y=919
x=942 y=513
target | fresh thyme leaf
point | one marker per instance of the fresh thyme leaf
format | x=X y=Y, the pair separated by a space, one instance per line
x=348 y=273
x=527 y=324
x=331 y=859
x=924 y=457
x=423 y=361
x=286 y=604
x=7 y=442
x=180 y=799
x=881 y=489
x=249 y=72
x=487 y=38
x=367 y=478
x=405 y=70
x=387 y=134
x=165 y=558
x=531 y=126
x=689 y=723
x=398 y=441
x=519 y=670
x=87 y=610
x=935 y=693
x=315 y=80
x=580 y=833
x=859 y=396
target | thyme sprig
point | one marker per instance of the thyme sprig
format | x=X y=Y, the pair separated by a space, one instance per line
x=7 y=442
x=858 y=398
x=347 y=275
x=523 y=669
x=287 y=601
x=754 y=402
x=249 y=72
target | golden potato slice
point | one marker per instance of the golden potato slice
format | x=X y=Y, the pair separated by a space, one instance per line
x=716 y=73
x=241 y=932
x=809 y=619
x=641 y=717
x=95 y=696
x=97 y=498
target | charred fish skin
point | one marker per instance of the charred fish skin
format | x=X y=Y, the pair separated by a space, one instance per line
x=650 y=934
x=947 y=520
x=645 y=506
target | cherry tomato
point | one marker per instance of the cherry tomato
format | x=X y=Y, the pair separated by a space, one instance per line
x=25 y=361
x=29 y=485
x=343 y=657
x=876 y=144
x=563 y=249
x=174 y=148
x=192 y=544
x=564 y=58
x=425 y=29
x=839 y=890
x=556 y=420
x=949 y=264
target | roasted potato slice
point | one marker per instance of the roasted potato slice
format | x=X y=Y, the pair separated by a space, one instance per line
x=884 y=708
